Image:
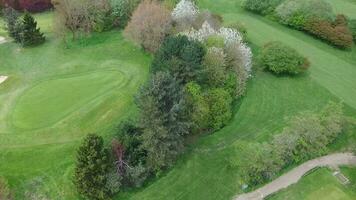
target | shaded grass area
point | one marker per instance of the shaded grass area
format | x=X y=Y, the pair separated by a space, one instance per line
x=321 y=184
x=54 y=96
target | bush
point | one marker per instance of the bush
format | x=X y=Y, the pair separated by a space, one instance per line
x=219 y=102
x=92 y=168
x=296 y=13
x=149 y=25
x=352 y=26
x=337 y=33
x=122 y=11
x=281 y=59
x=261 y=6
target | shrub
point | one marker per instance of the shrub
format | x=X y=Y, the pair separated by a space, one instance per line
x=206 y=16
x=219 y=102
x=215 y=64
x=338 y=35
x=261 y=6
x=92 y=168
x=281 y=59
x=31 y=34
x=13 y=23
x=122 y=11
x=149 y=25
x=352 y=25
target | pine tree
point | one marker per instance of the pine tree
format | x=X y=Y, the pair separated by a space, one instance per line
x=31 y=35
x=92 y=168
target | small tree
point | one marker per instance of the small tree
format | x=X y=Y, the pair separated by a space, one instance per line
x=92 y=168
x=13 y=23
x=149 y=25
x=31 y=34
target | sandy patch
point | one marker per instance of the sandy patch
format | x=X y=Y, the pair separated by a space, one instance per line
x=2 y=40
x=3 y=79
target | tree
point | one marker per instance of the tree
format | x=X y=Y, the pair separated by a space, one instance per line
x=13 y=23
x=149 y=25
x=219 y=102
x=162 y=121
x=122 y=10
x=184 y=14
x=92 y=168
x=31 y=34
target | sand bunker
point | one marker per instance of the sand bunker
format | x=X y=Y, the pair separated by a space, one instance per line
x=3 y=79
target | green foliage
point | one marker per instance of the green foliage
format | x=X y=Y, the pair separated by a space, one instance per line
x=214 y=41
x=306 y=137
x=92 y=168
x=261 y=6
x=162 y=121
x=215 y=68
x=282 y=59
x=31 y=34
x=13 y=23
x=181 y=57
x=122 y=10
x=352 y=26
x=219 y=102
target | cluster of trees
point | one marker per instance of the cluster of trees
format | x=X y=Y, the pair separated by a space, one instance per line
x=23 y=29
x=306 y=137
x=282 y=59
x=315 y=17
x=5 y=192
x=196 y=75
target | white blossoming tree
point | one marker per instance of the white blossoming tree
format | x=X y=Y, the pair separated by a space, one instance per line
x=185 y=13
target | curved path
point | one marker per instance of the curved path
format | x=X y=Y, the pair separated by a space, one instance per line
x=294 y=175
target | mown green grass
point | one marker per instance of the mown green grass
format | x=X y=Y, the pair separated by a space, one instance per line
x=320 y=184
x=54 y=96
x=346 y=7
x=43 y=148
x=204 y=172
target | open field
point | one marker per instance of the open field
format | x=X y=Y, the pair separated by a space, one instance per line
x=54 y=96
x=42 y=117
x=321 y=184
x=346 y=7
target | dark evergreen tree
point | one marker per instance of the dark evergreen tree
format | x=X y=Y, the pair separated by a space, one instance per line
x=31 y=34
x=162 y=120
x=92 y=168
x=181 y=57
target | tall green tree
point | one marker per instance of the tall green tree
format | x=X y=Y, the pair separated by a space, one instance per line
x=31 y=34
x=92 y=168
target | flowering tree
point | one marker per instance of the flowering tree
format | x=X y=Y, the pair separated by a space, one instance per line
x=231 y=38
x=184 y=14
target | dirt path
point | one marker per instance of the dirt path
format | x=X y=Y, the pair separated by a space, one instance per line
x=3 y=79
x=294 y=175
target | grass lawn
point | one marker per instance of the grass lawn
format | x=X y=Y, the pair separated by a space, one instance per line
x=346 y=7
x=321 y=184
x=56 y=95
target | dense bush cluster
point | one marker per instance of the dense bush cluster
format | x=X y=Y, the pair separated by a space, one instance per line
x=306 y=137
x=282 y=59
x=315 y=17
x=24 y=29
x=196 y=76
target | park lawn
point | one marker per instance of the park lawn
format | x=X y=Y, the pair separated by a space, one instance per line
x=55 y=95
x=320 y=184
x=204 y=171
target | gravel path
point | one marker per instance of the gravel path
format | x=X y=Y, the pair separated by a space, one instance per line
x=294 y=175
